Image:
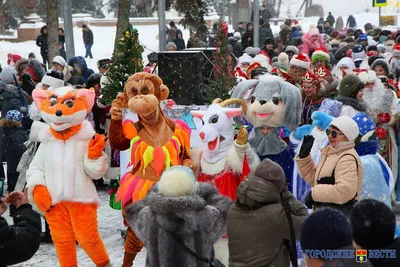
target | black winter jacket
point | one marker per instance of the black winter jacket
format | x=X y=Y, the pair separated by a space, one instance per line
x=88 y=37
x=247 y=39
x=19 y=242
x=13 y=141
x=41 y=41
x=265 y=32
x=180 y=42
x=12 y=99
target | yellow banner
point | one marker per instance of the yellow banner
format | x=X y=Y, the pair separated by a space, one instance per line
x=380 y=3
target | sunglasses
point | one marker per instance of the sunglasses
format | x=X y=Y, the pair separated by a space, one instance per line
x=333 y=133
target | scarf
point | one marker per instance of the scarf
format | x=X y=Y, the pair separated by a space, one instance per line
x=367 y=148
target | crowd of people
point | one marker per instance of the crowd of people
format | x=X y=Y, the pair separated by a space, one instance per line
x=324 y=106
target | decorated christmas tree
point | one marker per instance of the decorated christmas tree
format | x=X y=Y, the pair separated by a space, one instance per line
x=222 y=79
x=126 y=61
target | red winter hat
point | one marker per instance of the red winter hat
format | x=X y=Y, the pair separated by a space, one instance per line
x=239 y=73
x=396 y=50
x=300 y=61
x=323 y=73
x=309 y=78
x=372 y=54
x=251 y=68
x=284 y=75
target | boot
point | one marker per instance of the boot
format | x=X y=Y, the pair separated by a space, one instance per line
x=128 y=259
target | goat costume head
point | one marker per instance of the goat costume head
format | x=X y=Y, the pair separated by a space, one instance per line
x=217 y=131
x=271 y=102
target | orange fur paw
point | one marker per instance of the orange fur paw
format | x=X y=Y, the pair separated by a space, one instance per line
x=42 y=198
x=96 y=146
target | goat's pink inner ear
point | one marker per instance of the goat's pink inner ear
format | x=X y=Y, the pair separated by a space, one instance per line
x=233 y=112
x=197 y=114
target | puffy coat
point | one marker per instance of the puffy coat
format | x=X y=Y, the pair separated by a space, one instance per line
x=258 y=226
x=198 y=220
x=11 y=98
x=68 y=172
x=348 y=177
x=19 y=242
x=180 y=42
x=308 y=46
x=84 y=71
x=265 y=32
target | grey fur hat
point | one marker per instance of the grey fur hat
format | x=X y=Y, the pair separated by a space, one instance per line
x=350 y=85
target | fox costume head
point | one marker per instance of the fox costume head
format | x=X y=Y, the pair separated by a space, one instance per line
x=65 y=107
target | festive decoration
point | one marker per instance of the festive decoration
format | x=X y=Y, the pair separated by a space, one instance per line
x=114 y=204
x=126 y=61
x=384 y=117
x=381 y=133
x=222 y=79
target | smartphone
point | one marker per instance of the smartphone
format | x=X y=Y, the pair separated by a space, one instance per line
x=1 y=188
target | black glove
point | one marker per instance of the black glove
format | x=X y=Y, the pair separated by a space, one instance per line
x=309 y=201
x=305 y=149
x=27 y=83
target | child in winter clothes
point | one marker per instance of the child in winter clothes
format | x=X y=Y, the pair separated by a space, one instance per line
x=260 y=212
x=179 y=41
x=14 y=138
x=312 y=40
x=61 y=65
x=178 y=218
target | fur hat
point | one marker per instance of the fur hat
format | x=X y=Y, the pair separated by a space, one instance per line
x=367 y=76
x=52 y=81
x=365 y=124
x=309 y=78
x=350 y=85
x=334 y=42
x=271 y=172
x=331 y=107
x=263 y=60
x=245 y=59
x=177 y=181
x=300 y=61
x=292 y=48
x=321 y=119
x=347 y=126
x=358 y=52
x=316 y=233
x=320 y=54
x=313 y=32
x=237 y=35
x=7 y=75
x=171 y=44
x=283 y=59
x=373 y=224
x=396 y=50
x=60 y=60
x=382 y=63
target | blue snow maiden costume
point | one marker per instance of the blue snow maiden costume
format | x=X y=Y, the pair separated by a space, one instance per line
x=271 y=104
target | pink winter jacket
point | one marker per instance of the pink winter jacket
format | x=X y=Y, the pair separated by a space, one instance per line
x=308 y=46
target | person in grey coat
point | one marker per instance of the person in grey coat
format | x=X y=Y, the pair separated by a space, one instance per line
x=179 y=214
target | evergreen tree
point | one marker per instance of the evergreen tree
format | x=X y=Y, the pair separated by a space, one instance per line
x=126 y=60
x=222 y=79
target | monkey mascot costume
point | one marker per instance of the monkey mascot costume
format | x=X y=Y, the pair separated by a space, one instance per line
x=155 y=142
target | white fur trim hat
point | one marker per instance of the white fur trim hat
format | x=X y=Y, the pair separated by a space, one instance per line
x=52 y=82
x=283 y=58
x=367 y=77
x=245 y=59
x=301 y=61
x=347 y=126
x=292 y=48
x=59 y=60
x=321 y=52
x=177 y=181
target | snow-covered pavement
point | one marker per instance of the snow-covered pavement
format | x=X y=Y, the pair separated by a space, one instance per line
x=109 y=227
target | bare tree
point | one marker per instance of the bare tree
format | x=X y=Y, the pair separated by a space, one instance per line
x=124 y=7
x=52 y=29
x=2 y=9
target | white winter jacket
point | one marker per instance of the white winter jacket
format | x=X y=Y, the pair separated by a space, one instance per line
x=64 y=167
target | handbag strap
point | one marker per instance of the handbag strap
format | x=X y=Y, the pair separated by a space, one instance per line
x=293 y=247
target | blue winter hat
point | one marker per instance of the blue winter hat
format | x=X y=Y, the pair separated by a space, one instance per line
x=364 y=123
x=321 y=119
x=331 y=107
x=363 y=37
x=14 y=115
x=358 y=52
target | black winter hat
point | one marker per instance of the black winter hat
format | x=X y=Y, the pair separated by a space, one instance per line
x=372 y=48
x=93 y=80
x=350 y=85
x=103 y=63
x=371 y=60
x=382 y=63
x=77 y=81
x=373 y=224
x=325 y=228
x=269 y=40
x=152 y=57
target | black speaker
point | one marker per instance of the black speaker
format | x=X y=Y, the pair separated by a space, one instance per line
x=185 y=73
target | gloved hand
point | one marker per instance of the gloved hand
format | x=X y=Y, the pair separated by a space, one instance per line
x=309 y=201
x=42 y=198
x=242 y=136
x=302 y=131
x=27 y=83
x=96 y=146
x=306 y=147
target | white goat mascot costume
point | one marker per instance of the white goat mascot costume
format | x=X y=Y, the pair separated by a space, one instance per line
x=224 y=161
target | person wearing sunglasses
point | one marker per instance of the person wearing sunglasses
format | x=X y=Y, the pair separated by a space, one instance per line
x=337 y=179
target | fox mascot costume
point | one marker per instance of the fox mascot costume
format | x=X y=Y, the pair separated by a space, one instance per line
x=59 y=179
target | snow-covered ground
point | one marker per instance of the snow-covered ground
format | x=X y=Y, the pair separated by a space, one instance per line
x=110 y=223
